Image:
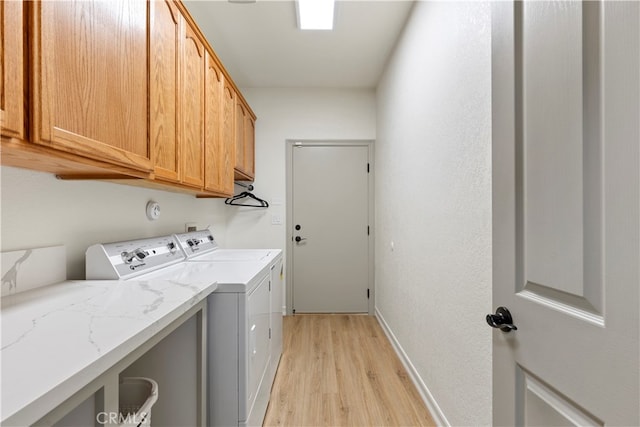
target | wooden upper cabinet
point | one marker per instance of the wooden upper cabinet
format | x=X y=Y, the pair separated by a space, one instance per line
x=12 y=74
x=228 y=154
x=192 y=107
x=249 y=145
x=120 y=88
x=241 y=113
x=164 y=42
x=218 y=154
x=229 y=127
x=244 y=142
x=89 y=79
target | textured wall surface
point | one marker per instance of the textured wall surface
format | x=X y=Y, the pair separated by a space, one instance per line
x=433 y=201
x=39 y=210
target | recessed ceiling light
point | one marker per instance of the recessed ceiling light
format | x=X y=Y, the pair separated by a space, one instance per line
x=315 y=14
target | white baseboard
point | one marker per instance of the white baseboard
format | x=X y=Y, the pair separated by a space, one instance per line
x=427 y=397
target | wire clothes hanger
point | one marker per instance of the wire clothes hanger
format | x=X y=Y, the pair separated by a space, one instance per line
x=255 y=202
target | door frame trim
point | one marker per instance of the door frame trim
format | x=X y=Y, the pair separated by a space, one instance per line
x=503 y=193
x=289 y=145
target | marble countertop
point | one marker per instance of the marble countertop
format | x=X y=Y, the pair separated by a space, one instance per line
x=59 y=338
x=241 y=277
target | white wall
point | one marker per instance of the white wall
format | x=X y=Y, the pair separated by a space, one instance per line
x=312 y=114
x=433 y=201
x=39 y=210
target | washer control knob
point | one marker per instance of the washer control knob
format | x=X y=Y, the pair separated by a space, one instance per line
x=172 y=247
x=138 y=253
x=127 y=257
x=193 y=242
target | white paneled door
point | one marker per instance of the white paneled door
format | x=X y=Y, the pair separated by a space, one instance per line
x=330 y=228
x=566 y=207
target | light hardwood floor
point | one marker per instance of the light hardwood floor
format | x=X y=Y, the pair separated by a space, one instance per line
x=341 y=370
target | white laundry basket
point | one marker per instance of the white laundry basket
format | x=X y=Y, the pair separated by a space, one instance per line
x=137 y=396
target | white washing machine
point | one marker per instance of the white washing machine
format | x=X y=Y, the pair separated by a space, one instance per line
x=239 y=324
x=245 y=328
x=144 y=262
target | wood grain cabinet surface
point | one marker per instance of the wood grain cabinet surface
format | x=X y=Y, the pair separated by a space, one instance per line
x=192 y=107
x=249 y=145
x=218 y=153
x=228 y=124
x=125 y=90
x=241 y=113
x=89 y=79
x=164 y=42
x=12 y=75
x=244 y=141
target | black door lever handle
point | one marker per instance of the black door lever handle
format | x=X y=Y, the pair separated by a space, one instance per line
x=502 y=320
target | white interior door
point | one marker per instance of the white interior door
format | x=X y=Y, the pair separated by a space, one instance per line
x=566 y=154
x=330 y=200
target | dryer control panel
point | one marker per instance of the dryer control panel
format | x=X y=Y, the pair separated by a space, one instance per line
x=196 y=242
x=124 y=260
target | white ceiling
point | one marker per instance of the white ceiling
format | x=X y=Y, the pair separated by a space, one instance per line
x=260 y=45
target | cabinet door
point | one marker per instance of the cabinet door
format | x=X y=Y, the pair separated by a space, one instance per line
x=245 y=141
x=192 y=107
x=90 y=79
x=163 y=88
x=218 y=166
x=241 y=114
x=229 y=130
x=249 y=145
x=12 y=69
x=228 y=158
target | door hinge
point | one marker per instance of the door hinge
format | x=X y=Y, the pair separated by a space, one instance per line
x=367 y=293
x=269 y=285
x=367 y=230
x=269 y=333
x=367 y=167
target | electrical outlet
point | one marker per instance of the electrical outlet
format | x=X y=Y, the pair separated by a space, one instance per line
x=276 y=219
x=190 y=226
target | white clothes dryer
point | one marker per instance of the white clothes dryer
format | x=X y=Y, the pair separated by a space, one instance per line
x=245 y=327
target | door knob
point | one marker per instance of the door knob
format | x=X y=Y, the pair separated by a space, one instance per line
x=502 y=320
x=300 y=239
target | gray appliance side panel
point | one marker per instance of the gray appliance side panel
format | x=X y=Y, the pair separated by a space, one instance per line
x=277 y=289
x=222 y=342
x=258 y=353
